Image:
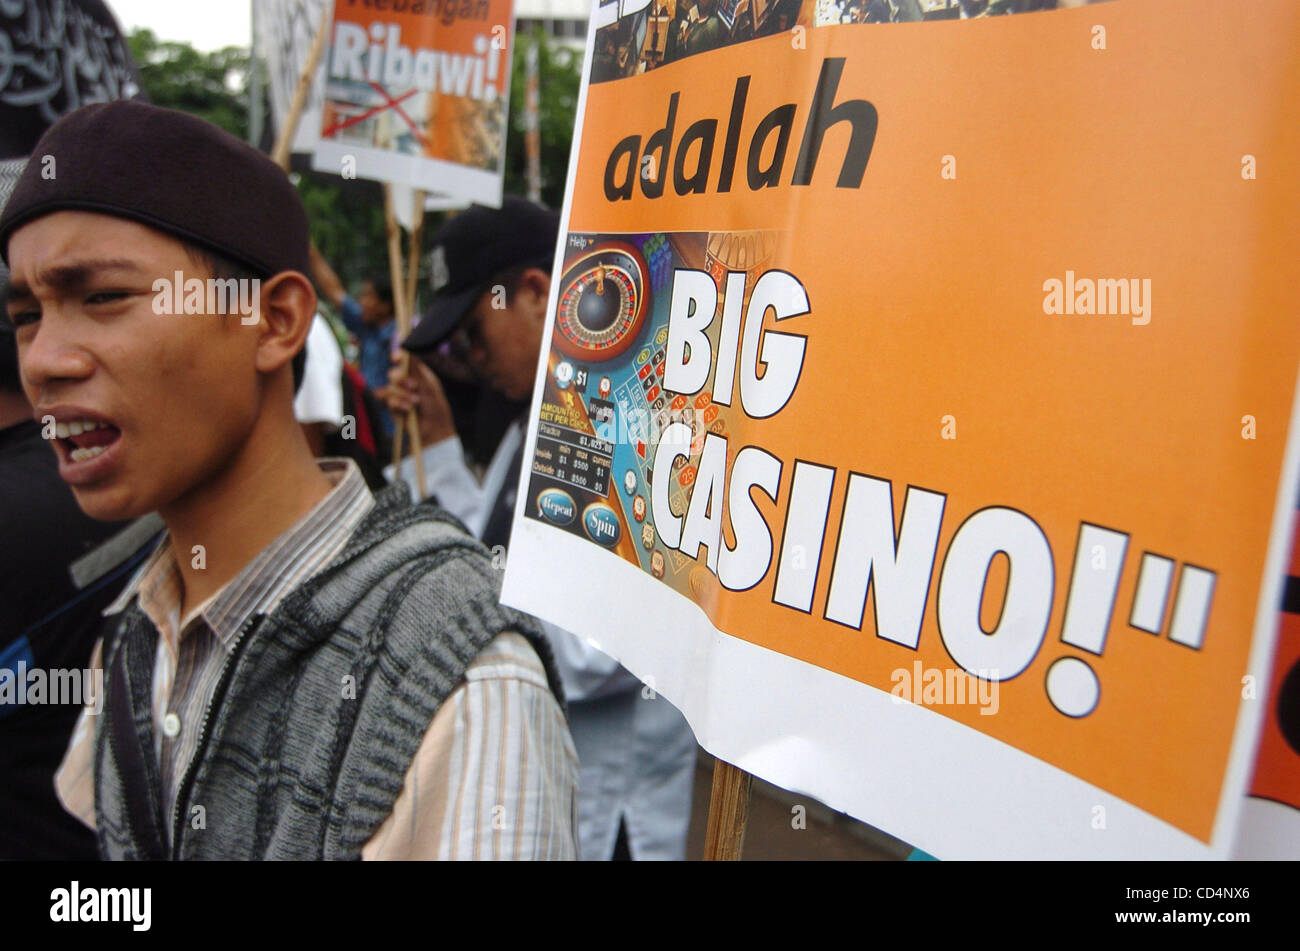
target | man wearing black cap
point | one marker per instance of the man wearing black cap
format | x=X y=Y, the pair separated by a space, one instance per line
x=298 y=657
x=491 y=279
x=491 y=275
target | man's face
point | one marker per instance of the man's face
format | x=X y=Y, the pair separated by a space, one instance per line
x=504 y=343
x=171 y=398
x=375 y=311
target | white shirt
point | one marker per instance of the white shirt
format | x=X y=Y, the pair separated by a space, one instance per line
x=320 y=398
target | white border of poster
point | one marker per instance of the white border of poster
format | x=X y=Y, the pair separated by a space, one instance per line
x=448 y=179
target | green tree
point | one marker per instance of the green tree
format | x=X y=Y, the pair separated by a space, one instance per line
x=210 y=85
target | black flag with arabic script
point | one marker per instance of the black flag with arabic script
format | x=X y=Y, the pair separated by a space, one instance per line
x=56 y=56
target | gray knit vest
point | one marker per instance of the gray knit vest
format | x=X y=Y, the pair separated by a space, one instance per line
x=292 y=764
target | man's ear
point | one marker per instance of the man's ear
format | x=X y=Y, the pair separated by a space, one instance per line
x=536 y=285
x=288 y=306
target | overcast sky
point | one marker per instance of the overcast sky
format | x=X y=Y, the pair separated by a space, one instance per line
x=204 y=24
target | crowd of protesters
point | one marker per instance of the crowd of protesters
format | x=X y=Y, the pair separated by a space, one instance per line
x=288 y=654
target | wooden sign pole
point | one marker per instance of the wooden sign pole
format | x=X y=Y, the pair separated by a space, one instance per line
x=413 y=251
x=393 y=231
x=284 y=142
x=724 y=836
x=412 y=280
x=403 y=302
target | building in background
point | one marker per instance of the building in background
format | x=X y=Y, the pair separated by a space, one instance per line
x=564 y=21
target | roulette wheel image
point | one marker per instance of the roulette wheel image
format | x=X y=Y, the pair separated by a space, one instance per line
x=604 y=299
x=741 y=250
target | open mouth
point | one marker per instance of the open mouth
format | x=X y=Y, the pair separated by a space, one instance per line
x=84 y=439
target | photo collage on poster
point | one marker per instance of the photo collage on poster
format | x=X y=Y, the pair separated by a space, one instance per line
x=604 y=404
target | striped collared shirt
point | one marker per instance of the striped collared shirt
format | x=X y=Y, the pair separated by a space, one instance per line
x=496 y=773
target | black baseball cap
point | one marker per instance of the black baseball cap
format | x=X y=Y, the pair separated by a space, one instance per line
x=473 y=248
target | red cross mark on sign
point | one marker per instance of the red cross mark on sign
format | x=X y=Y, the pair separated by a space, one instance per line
x=389 y=103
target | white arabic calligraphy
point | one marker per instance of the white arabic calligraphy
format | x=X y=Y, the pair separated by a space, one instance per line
x=56 y=57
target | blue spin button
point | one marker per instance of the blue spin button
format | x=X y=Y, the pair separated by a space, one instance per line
x=601 y=524
x=556 y=506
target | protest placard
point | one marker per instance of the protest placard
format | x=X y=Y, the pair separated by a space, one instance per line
x=917 y=409
x=417 y=94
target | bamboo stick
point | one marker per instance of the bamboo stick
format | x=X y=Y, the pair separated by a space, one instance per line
x=724 y=836
x=284 y=141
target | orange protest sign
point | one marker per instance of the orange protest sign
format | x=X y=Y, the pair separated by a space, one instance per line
x=946 y=369
x=416 y=94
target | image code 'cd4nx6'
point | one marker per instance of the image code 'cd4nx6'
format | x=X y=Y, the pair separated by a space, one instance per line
x=604 y=297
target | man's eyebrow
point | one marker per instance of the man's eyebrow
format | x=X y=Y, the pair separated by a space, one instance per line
x=76 y=273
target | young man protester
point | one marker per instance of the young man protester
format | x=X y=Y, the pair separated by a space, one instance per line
x=492 y=276
x=301 y=669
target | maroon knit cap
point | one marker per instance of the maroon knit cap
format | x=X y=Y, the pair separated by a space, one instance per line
x=171 y=171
